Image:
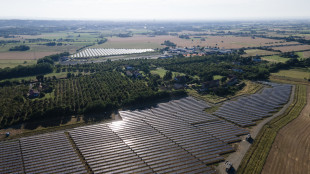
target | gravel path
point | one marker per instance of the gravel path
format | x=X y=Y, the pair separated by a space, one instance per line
x=236 y=157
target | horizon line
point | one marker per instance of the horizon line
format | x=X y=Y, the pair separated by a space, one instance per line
x=157 y=20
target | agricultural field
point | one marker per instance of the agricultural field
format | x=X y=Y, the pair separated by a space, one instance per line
x=289 y=152
x=254 y=52
x=227 y=42
x=300 y=74
x=70 y=43
x=28 y=55
x=275 y=58
x=292 y=48
x=13 y=59
x=13 y=63
x=304 y=54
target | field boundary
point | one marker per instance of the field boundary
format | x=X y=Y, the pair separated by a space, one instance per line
x=254 y=159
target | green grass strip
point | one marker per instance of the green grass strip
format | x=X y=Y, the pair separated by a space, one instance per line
x=254 y=160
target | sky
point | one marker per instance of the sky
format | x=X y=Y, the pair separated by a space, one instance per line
x=154 y=9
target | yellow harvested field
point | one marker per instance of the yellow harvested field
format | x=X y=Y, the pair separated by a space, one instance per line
x=227 y=42
x=24 y=55
x=292 y=48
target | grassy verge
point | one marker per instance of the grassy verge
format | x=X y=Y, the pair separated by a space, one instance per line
x=254 y=160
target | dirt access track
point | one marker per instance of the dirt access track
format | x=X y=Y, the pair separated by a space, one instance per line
x=290 y=152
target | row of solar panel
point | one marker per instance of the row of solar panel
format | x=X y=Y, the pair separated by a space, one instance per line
x=246 y=110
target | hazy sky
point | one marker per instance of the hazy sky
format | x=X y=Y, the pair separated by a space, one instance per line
x=154 y=9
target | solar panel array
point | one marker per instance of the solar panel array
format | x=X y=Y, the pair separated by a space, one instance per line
x=99 y=52
x=10 y=157
x=105 y=152
x=50 y=153
x=223 y=130
x=246 y=110
x=158 y=151
x=171 y=137
x=178 y=119
x=202 y=145
x=47 y=153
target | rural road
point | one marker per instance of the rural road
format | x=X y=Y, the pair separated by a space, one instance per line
x=236 y=157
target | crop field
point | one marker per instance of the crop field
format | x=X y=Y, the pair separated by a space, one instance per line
x=254 y=52
x=275 y=58
x=28 y=55
x=70 y=43
x=292 y=48
x=304 y=54
x=300 y=74
x=289 y=152
x=227 y=42
x=13 y=63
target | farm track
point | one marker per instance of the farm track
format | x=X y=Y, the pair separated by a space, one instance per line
x=255 y=158
x=290 y=152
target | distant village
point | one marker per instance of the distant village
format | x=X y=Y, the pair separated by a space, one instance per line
x=194 y=51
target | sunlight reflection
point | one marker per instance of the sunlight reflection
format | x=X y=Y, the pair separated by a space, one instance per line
x=117 y=125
